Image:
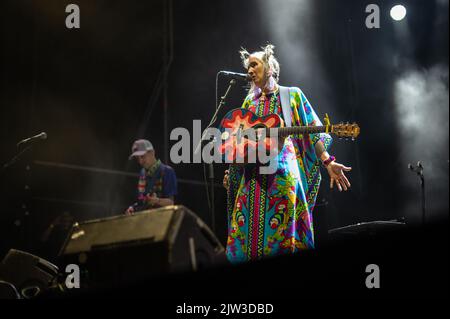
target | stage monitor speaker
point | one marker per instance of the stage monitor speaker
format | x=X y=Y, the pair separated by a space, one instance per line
x=29 y=274
x=125 y=249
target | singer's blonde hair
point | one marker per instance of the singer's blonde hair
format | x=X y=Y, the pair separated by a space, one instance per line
x=271 y=65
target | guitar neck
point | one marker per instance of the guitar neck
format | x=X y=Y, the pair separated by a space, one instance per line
x=285 y=131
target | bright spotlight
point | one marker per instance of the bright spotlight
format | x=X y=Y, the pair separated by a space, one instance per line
x=398 y=12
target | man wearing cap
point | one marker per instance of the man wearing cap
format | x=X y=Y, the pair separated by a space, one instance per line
x=157 y=185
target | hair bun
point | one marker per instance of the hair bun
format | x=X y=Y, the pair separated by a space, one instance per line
x=268 y=50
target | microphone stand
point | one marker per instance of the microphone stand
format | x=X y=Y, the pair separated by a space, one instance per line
x=15 y=158
x=211 y=166
x=419 y=171
x=22 y=231
x=422 y=187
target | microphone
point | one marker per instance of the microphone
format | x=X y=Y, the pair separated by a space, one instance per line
x=237 y=76
x=40 y=136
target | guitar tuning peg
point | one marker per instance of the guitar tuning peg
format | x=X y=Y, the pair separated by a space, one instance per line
x=327 y=120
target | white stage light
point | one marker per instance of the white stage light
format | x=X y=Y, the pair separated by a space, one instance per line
x=398 y=12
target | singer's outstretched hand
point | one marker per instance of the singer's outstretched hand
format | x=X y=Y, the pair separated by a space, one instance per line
x=336 y=172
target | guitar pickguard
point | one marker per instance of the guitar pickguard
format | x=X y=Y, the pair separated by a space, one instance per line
x=242 y=142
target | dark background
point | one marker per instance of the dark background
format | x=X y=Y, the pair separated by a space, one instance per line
x=138 y=69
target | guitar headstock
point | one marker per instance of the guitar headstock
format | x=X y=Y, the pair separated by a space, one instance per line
x=346 y=130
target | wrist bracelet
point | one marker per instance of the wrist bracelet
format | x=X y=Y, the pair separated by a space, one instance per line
x=328 y=160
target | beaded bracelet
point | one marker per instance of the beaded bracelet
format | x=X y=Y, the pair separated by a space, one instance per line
x=328 y=160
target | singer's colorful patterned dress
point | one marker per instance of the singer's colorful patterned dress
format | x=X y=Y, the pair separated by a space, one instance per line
x=272 y=214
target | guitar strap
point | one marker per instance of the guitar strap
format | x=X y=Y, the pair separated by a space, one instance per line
x=286 y=105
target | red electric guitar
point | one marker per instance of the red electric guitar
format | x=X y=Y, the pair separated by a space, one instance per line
x=245 y=137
